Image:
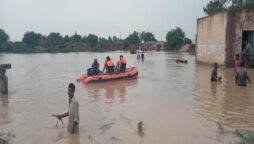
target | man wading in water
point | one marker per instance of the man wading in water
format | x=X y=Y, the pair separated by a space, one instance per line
x=73 y=113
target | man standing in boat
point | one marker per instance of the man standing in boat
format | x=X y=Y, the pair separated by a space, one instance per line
x=73 y=113
x=123 y=63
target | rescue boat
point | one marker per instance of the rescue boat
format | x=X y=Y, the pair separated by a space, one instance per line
x=131 y=72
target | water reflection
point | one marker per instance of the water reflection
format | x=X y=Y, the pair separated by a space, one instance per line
x=225 y=103
x=4 y=110
x=112 y=90
x=73 y=139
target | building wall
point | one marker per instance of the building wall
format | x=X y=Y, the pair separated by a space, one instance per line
x=244 y=21
x=211 y=39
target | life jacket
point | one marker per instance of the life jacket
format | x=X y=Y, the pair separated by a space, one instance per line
x=123 y=60
x=109 y=63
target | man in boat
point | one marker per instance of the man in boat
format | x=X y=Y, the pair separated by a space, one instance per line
x=109 y=65
x=73 y=112
x=96 y=66
x=3 y=82
x=123 y=63
x=214 y=76
x=242 y=76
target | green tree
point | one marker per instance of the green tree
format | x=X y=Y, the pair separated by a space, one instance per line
x=84 y=39
x=115 y=39
x=75 y=38
x=54 y=39
x=66 y=39
x=102 y=44
x=131 y=39
x=31 y=39
x=175 y=38
x=110 y=39
x=215 y=6
x=92 y=39
x=147 y=36
x=4 y=37
x=187 y=41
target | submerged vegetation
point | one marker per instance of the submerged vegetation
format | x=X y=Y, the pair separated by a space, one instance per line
x=245 y=136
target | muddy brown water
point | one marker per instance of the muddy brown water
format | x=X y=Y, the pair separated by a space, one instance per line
x=176 y=102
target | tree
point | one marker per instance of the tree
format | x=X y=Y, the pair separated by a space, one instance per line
x=84 y=39
x=187 y=41
x=75 y=38
x=103 y=43
x=215 y=6
x=132 y=39
x=92 y=39
x=54 y=39
x=115 y=39
x=175 y=38
x=66 y=39
x=4 y=37
x=109 y=39
x=31 y=39
x=147 y=36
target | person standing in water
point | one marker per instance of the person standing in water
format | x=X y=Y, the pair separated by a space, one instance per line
x=142 y=55
x=242 y=77
x=237 y=64
x=214 y=76
x=73 y=112
x=3 y=82
x=138 y=56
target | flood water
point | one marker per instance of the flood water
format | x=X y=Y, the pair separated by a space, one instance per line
x=176 y=102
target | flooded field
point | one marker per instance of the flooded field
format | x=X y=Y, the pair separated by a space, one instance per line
x=176 y=102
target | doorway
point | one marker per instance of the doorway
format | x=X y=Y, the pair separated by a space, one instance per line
x=249 y=36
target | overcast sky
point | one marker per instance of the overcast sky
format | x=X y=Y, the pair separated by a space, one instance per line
x=100 y=17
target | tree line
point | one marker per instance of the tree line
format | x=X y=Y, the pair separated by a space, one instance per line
x=175 y=38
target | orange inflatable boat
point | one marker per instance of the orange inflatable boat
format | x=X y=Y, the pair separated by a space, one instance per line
x=128 y=73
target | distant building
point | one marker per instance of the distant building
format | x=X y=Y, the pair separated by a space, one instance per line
x=221 y=36
x=158 y=45
x=190 y=48
x=115 y=46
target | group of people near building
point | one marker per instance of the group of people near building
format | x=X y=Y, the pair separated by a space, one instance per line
x=109 y=66
x=240 y=73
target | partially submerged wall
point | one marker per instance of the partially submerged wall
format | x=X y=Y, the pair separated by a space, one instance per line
x=211 y=39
